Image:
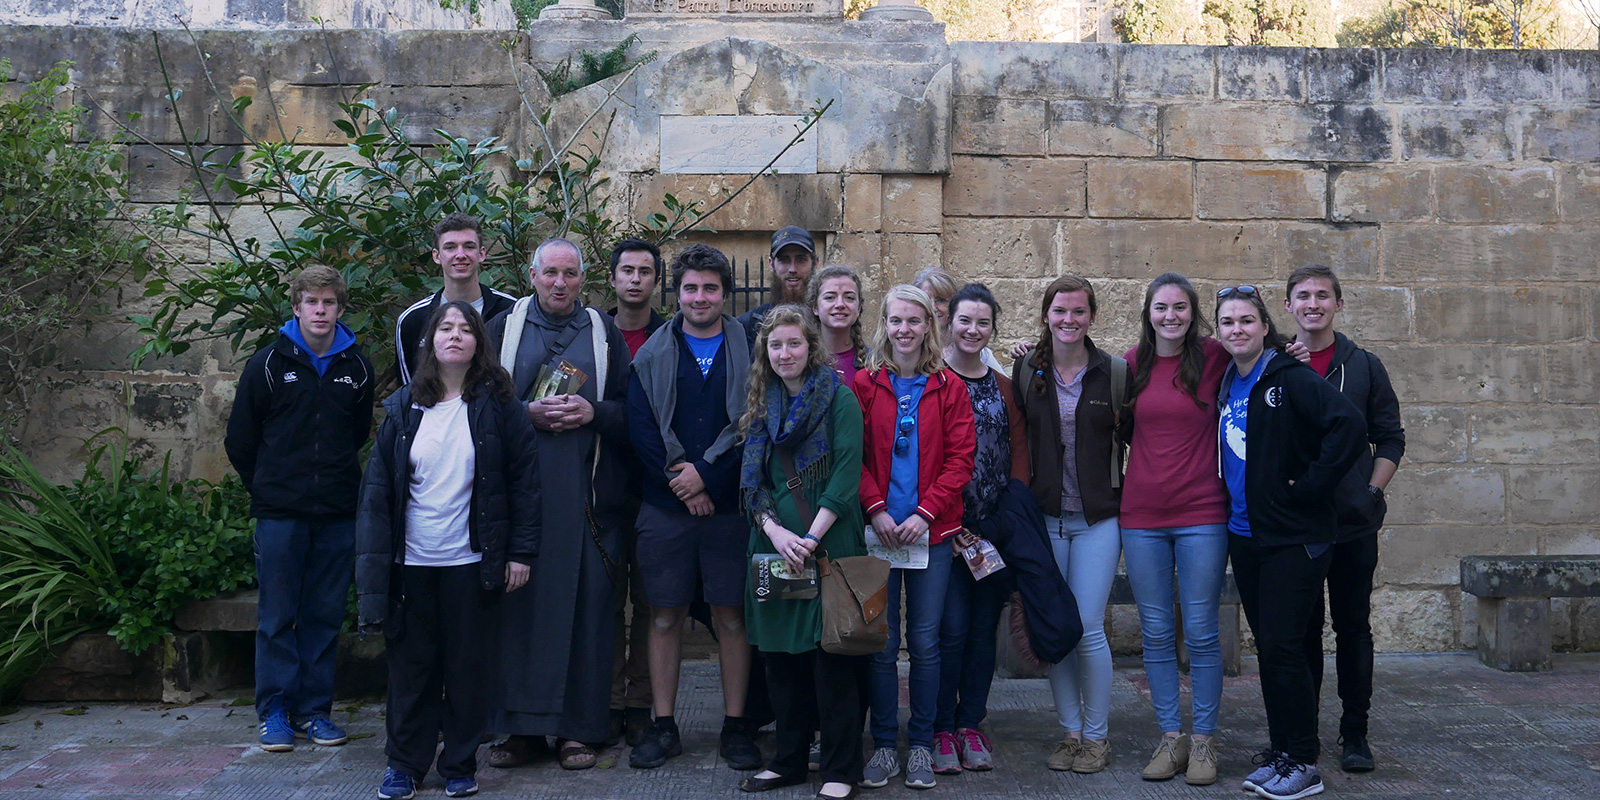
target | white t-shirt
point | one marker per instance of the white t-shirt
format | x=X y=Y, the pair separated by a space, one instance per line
x=441 y=489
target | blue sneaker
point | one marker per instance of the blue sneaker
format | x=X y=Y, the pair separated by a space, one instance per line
x=321 y=731
x=460 y=787
x=1293 y=781
x=397 y=785
x=276 y=735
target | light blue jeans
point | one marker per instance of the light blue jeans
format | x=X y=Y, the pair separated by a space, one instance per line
x=1199 y=554
x=1087 y=557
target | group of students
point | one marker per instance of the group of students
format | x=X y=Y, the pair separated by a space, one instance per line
x=501 y=530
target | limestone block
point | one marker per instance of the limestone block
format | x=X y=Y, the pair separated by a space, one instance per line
x=863 y=202
x=913 y=203
x=93 y=666
x=305 y=113
x=1514 y=633
x=467 y=113
x=1377 y=313
x=1517 y=315
x=1536 y=434
x=1476 y=194
x=881 y=130
x=1344 y=75
x=1555 y=495
x=1351 y=250
x=1140 y=188
x=1015 y=187
x=1145 y=249
x=1468 y=496
x=1382 y=194
x=1412 y=619
x=1034 y=69
x=1580 y=192
x=348 y=57
x=1434 y=434
x=998 y=126
x=862 y=252
x=1561 y=134
x=980 y=248
x=1255 y=132
x=1261 y=73
x=450 y=58
x=1425 y=76
x=771 y=202
x=1260 y=191
x=1431 y=555
x=906 y=254
x=1485 y=76
x=1572 y=373
x=1102 y=128
x=235 y=611
x=732 y=144
x=159 y=119
x=1019 y=300
x=1455 y=134
x=155 y=176
x=1167 y=72
x=1490 y=253
x=1580 y=76
x=1462 y=373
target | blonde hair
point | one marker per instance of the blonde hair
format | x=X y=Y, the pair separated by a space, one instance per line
x=932 y=358
x=761 y=373
x=814 y=293
x=942 y=283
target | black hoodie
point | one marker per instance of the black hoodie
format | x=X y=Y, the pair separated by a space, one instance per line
x=1360 y=376
x=1301 y=437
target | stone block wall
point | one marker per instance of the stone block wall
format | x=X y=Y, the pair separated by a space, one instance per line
x=1457 y=194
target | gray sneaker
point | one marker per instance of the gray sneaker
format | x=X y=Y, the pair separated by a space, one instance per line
x=814 y=756
x=1293 y=781
x=919 y=769
x=1266 y=763
x=884 y=764
x=946 y=761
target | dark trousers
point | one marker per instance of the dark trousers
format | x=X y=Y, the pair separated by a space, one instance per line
x=304 y=567
x=967 y=647
x=812 y=691
x=630 y=653
x=441 y=668
x=1278 y=587
x=1350 y=605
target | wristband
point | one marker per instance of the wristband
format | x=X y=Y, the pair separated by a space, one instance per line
x=1374 y=491
x=812 y=537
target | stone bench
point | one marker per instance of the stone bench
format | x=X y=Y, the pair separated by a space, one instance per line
x=1228 y=621
x=1514 y=603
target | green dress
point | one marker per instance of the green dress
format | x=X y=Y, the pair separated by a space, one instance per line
x=795 y=626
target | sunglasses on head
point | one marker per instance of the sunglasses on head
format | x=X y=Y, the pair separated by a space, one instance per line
x=1245 y=290
x=902 y=442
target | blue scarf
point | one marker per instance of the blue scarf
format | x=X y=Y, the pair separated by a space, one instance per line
x=801 y=426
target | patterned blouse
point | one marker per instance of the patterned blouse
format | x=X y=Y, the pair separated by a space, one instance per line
x=992 y=461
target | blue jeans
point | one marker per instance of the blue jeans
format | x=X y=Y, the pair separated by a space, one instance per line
x=304 y=567
x=966 y=647
x=1087 y=557
x=1199 y=554
x=925 y=590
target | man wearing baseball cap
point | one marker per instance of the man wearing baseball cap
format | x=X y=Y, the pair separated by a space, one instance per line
x=793 y=256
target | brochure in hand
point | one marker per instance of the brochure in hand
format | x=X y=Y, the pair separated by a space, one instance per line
x=899 y=556
x=563 y=378
x=774 y=580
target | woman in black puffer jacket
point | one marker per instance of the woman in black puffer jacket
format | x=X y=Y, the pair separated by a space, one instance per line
x=448 y=521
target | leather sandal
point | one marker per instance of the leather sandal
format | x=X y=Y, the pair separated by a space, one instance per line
x=754 y=784
x=514 y=752
x=577 y=755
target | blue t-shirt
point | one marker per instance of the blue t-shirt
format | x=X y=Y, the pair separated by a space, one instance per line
x=1233 y=429
x=704 y=350
x=902 y=496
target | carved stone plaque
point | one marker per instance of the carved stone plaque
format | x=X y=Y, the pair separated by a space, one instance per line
x=734 y=145
x=738 y=9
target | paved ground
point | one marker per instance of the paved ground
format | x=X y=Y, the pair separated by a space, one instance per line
x=1445 y=727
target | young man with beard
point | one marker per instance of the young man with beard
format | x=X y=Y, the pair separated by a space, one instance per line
x=635 y=274
x=792 y=258
x=458 y=250
x=1313 y=299
x=685 y=399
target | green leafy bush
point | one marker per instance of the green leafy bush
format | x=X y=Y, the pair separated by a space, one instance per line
x=592 y=67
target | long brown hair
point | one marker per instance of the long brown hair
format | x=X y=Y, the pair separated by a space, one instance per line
x=1043 y=358
x=483 y=374
x=814 y=293
x=1192 y=363
x=761 y=372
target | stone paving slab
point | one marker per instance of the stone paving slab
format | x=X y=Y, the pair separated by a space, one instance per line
x=1443 y=726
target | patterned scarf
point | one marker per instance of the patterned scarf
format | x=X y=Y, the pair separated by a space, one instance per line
x=801 y=426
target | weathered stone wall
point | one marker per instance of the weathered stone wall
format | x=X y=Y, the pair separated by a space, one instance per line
x=258 y=14
x=1456 y=193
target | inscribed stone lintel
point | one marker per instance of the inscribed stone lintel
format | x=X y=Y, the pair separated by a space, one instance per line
x=734 y=145
x=738 y=9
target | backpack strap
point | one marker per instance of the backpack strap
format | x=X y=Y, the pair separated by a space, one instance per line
x=1119 y=398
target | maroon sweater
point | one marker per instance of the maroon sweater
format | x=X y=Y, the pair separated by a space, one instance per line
x=1172 y=478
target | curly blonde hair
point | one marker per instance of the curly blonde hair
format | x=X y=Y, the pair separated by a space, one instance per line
x=761 y=372
x=932 y=358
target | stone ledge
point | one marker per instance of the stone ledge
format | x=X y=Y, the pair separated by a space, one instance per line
x=1531 y=576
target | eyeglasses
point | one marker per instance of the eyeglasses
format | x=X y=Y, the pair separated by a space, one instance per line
x=1245 y=290
x=902 y=443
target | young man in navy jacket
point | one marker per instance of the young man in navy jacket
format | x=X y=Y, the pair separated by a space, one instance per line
x=302 y=412
x=1313 y=299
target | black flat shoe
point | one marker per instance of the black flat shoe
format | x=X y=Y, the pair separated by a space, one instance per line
x=754 y=784
x=845 y=796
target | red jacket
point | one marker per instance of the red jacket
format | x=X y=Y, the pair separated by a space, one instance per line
x=946 y=440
